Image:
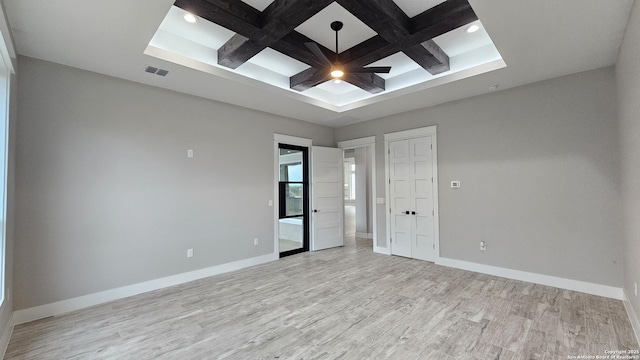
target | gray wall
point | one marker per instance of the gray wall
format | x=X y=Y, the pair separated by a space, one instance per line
x=539 y=167
x=106 y=196
x=628 y=80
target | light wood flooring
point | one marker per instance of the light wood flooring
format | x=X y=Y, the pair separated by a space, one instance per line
x=344 y=303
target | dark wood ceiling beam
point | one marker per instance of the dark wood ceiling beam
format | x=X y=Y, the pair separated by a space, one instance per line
x=441 y=19
x=279 y=19
x=309 y=78
x=430 y=56
x=425 y=26
x=234 y=15
x=368 y=81
x=394 y=26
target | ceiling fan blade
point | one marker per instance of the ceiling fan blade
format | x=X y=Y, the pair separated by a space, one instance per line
x=315 y=49
x=371 y=69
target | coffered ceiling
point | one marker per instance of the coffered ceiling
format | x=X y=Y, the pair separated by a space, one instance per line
x=519 y=42
x=272 y=45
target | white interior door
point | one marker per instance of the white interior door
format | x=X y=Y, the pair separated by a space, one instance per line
x=411 y=194
x=400 y=191
x=327 y=199
x=422 y=199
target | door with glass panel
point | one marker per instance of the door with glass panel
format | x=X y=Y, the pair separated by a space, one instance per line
x=293 y=199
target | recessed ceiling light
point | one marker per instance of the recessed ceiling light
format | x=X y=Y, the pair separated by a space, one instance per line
x=473 y=28
x=190 y=18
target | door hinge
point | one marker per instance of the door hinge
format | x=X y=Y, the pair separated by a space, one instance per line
x=431 y=146
x=432 y=180
x=390 y=240
x=389 y=151
x=434 y=246
x=389 y=210
x=389 y=181
x=433 y=212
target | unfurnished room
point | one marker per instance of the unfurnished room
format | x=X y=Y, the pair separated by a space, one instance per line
x=319 y=179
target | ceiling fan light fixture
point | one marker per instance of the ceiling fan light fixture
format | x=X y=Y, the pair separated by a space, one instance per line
x=337 y=73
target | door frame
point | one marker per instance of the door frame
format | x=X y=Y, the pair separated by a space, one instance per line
x=406 y=135
x=289 y=140
x=370 y=143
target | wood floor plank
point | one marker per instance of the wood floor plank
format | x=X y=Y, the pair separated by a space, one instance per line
x=343 y=303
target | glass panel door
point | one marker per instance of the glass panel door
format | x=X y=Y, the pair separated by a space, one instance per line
x=293 y=202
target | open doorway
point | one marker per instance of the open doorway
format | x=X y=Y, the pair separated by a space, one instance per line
x=349 y=194
x=293 y=199
x=359 y=198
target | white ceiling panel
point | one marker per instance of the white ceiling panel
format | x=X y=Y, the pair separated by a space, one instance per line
x=318 y=28
x=415 y=7
x=258 y=4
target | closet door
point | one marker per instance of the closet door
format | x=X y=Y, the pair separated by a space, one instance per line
x=400 y=190
x=423 y=245
x=411 y=194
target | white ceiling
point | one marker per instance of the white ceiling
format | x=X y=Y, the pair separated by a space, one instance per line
x=537 y=40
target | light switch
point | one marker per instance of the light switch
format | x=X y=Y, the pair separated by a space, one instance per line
x=455 y=184
x=380 y=201
x=189 y=153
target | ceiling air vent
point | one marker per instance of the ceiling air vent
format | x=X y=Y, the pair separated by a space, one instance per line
x=155 y=70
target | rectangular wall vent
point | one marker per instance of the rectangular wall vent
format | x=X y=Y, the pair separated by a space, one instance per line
x=155 y=70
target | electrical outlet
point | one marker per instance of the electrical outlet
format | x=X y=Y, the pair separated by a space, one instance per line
x=483 y=246
x=189 y=253
x=255 y=241
x=636 y=288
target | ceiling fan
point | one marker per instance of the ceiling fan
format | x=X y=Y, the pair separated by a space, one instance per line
x=337 y=69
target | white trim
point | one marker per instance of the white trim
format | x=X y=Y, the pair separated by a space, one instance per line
x=371 y=143
x=81 y=302
x=5 y=79
x=436 y=207
x=356 y=143
x=7 y=50
x=292 y=140
x=6 y=336
x=563 y=283
x=430 y=131
x=412 y=133
x=387 y=188
x=633 y=317
x=364 y=235
x=276 y=198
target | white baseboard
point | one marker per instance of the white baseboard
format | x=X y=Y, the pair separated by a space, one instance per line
x=568 y=284
x=633 y=317
x=64 y=306
x=364 y=235
x=6 y=336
